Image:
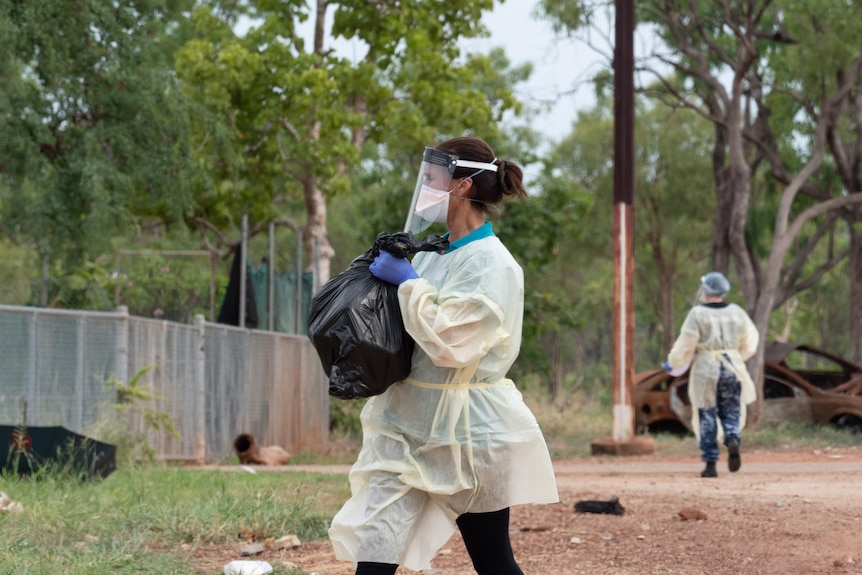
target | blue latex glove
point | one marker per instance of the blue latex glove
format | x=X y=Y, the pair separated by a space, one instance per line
x=666 y=366
x=391 y=269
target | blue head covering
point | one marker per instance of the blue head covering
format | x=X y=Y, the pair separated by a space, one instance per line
x=714 y=283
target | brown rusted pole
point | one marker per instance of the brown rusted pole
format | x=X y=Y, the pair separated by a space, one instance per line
x=623 y=319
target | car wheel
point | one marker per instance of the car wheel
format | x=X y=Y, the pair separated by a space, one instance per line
x=849 y=422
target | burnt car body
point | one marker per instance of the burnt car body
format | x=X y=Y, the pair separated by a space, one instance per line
x=800 y=384
x=803 y=363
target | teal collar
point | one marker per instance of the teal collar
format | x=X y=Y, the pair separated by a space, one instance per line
x=479 y=233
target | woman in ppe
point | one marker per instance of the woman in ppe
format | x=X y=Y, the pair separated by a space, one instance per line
x=453 y=445
x=716 y=338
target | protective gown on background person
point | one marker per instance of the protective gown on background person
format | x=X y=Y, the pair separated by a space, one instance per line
x=456 y=430
x=710 y=337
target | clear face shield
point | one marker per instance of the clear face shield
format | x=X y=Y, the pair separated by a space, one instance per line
x=430 y=196
x=430 y=202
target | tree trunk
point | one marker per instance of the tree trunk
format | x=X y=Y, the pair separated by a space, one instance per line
x=855 y=304
x=666 y=312
x=739 y=176
x=318 y=250
x=557 y=366
x=723 y=202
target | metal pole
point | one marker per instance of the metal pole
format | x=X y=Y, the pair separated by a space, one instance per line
x=212 y=285
x=119 y=279
x=45 y=279
x=271 y=276
x=242 y=270
x=623 y=426
x=200 y=423
x=297 y=316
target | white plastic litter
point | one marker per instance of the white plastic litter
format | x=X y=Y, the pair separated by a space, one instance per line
x=247 y=568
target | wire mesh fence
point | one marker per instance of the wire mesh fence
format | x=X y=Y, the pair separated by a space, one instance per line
x=210 y=381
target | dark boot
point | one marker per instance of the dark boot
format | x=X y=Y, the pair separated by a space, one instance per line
x=734 y=461
x=709 y=470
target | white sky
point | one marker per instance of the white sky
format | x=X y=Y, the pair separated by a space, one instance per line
x=562 y=67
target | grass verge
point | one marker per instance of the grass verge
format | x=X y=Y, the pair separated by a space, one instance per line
x=161 y=519
x=149 y=520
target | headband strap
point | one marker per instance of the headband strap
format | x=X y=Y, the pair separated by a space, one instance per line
x=477 y=165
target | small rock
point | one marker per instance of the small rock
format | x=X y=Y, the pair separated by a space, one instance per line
x=778 y=504
x=641 y=537
x=8 y=505
x=692 y=514
x=251 y=549
x=286 y=542
x=575 y=540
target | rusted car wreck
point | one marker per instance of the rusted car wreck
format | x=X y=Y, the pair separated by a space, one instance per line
x=800 y=384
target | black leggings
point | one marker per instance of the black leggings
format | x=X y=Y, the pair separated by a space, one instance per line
x=486 y=537
x=369 y=568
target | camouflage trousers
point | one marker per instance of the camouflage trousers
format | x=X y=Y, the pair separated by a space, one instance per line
x=726 y=411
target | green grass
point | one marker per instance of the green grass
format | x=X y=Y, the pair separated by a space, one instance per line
x=150 y=519
x=571 y=424
x=137 y=520
x=793 y=435
x=598 y=423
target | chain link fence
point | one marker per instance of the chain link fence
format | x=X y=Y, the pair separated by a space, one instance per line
x=211 y=381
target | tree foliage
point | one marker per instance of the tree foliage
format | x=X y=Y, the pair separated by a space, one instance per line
x=289 y=121
x=722 y=56
x=94 y=130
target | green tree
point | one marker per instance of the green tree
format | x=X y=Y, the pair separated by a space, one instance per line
x=92 y=123
x=673 y=178
x=289 y=124
x=724 y=58
x=573 y=256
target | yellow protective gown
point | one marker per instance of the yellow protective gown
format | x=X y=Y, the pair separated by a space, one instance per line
x=456 y=436
x=707 y=334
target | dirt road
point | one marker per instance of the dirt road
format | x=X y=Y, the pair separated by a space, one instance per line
x=786 y=512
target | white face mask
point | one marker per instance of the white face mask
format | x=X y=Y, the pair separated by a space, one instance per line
x=432 y=205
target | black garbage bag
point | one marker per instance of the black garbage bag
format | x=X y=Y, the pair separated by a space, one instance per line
x=611 y=506
x=27 y=450
x=355 y=322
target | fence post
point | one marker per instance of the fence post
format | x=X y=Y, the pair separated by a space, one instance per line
x=34 y=371
x=243 y=258
x=122 y=345
x=200 y=389
x=80 y=373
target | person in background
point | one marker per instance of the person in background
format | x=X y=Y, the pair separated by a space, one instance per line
x=454 y=444
x=716 y=338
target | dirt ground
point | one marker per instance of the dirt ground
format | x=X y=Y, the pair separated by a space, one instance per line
x=786 y=512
